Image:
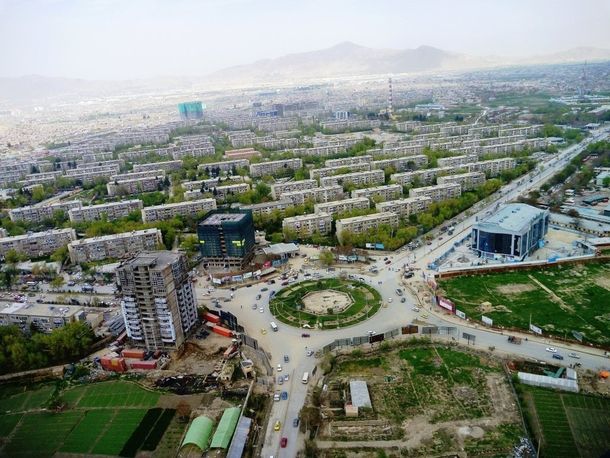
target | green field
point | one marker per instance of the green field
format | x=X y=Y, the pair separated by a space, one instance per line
x=568 y=424
x=286 y=305
x=558 y=299
x=98 y=418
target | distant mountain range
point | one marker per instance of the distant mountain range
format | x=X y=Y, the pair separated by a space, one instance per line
x=342 y=60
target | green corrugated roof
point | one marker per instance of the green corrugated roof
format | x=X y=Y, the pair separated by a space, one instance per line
x=199 y=433
x=226 y=428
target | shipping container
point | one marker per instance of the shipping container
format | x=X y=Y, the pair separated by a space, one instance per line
x=150 y=364
x=222 y=331
x=133 y=353
x=114 y=364
x=211 y=317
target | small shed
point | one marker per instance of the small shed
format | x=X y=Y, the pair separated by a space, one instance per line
x=226 y=428
x=360 y=394
x=199 y=433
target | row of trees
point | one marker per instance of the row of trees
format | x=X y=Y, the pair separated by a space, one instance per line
x=20 y=351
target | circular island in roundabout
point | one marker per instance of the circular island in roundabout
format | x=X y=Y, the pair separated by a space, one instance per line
x=325 y=304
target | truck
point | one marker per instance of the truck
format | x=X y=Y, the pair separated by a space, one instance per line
x=514 y=340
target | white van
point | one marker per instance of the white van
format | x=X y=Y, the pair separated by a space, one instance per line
x=274 y=326
x=305 y=378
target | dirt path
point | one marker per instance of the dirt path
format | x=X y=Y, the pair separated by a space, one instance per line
x=554 y=296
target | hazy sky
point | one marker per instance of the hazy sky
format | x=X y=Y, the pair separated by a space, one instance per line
x=120 y=39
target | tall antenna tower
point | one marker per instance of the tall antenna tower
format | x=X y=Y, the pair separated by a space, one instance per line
x=390 y=109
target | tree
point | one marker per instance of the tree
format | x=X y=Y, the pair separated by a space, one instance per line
x=190 y=244
x=60 y=254
x=12 y=257
x=326 y=257
x=57 y=282
x=606 y=182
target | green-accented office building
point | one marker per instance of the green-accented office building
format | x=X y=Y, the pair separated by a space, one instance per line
x=226 y=238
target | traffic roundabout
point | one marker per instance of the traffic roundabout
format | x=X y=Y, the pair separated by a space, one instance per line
x=329 y=303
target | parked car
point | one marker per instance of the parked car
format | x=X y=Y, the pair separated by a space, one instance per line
x=280 y=380
x=557 y=356
x=279 y=368
x=295 y=422
x=286 y=377
x=305 y=335
x=284 y=395
x=258 y=297
x=277 y=425
x=264 y=289
x=286 y=359
x=283 y=442
x=551 y=349
x=403 y=300
x=573 y=355
x=309 y=352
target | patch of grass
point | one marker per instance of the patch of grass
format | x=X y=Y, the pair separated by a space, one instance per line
x=119 y=431
x=8 y=423
x=85 y=434
x=584 y=307
x=31 y=399
x=357 y=366
x=110 y=394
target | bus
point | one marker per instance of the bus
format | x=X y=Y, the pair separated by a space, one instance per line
x=274 y=326
x=305 y=378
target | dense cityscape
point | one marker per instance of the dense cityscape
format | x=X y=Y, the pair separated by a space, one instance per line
x=377 y=264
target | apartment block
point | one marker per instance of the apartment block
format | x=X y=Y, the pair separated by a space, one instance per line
x=214 y=168
x=467 y=181
x=338 y=170
x=385 y=192
x=277 y=189
x=114 y=246
x=135 y=186
x=137 y=175
x=347 y=161
x=424 y=176
x=321 y=194
x=405 y=207
x=457 y=161
x=244 y=153
x=168 y=211
x=165 y=165
x=341 y=206
x=494 y=167
x=437 y=193
x=39 y=213
x=110 y=211
x=307 y=225
x=360 y=224
x=402 y=164
x=221 y=193
x=275 y=167
x=37 y=244
x=158 y=301
x=267 y=208
x=45 y=177
x=91 y=174
x=373 y=177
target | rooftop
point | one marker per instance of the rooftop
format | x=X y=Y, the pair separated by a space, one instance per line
x=153 y=258
x=24 y=308
x=220 y=218
x=512 y=217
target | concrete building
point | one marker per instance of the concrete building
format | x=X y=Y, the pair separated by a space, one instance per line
x=402 y=164
x=385 y=192
x=437 y=193
x=158 y=302
x=92 y=174
x=405 y=207
x=373 y=177
x=114 y=246
x=268 y=208
x=360 y=224
x=277 y=189
x=228 y=167
x=136 y=175
x=135 y=186
x=226 y=238
x=165 y=165
x=307 y=225
x=321 y=194
x=37 y=244
x=275 y=167
x=494 y=167
x=457 y=161
x=467 y=181
x=424 y=177
x=221 y=193
x=168 y=211
x=316 y=174
x=513 y=232
x=110 y=211
x=341 y=206
x=244 y=153
x=44 y=317
x=39 y=213
x=348 y=161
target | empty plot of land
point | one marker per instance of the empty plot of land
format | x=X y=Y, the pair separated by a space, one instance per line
x=558 y=299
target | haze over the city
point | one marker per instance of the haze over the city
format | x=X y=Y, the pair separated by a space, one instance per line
x=112 y=39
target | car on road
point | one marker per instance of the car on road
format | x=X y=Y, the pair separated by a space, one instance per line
x=284 y=395
x=262 y=310
x=217 y=305
x=279 y=368
x=403 y=300
x=415 y=309
x=264 y=289
x=424 y=315
x=277 y=426
x=258 y=297
x=309 y=352
x=573 y=355
x=557 y=356
x=283 y=442
x=254 y=306
x=551 y=349
x=295 y=422
x=286 y=358
x=385 y=259
x=286 y=377
x=388 y=262
x=284 y=283
x=305 y=335
x=249 y=286
x=276 y=396
x=280 y=380
x=390 y=300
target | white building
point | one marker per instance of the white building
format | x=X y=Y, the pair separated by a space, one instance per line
x=385 y=192
x=373 y=177
x=437 y=193
x=277 y=189
x=467 y=181
x=360 y=224
x=37 y=244
x=341 y=206
x=275 y=167
x=114 y=246
x=307 y=225
x=168 y=211
x=165 y=165
x=110 y=211
x=39 y=213
x=405 y=207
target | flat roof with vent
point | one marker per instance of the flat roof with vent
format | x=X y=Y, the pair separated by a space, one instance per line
x=512 y=218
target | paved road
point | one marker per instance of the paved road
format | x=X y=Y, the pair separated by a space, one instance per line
x=288 y=340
